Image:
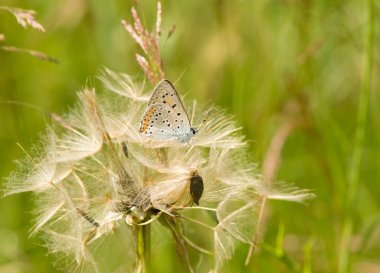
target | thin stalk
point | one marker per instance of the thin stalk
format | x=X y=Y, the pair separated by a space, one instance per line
x=354 y=171
x=142 y=234
x=271 y=164
x=260 y=220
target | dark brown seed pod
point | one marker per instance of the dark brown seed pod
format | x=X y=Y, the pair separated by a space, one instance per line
x=196 y=187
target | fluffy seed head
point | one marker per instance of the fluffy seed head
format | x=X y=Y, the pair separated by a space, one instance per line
x=95 y=175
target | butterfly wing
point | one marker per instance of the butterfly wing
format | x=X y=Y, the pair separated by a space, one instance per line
x=161 y=122
x=165 y=93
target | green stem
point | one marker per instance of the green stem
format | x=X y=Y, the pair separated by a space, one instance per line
x=353 y=179
x=142 y=234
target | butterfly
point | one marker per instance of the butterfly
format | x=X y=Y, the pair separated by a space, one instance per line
x=165 y=117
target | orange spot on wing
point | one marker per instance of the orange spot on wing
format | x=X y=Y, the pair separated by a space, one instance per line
x=145 y=122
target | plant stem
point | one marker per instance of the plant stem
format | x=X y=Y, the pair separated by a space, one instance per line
x=271 y=164
x=142 y=234
x=260 y=220
x=354 y=171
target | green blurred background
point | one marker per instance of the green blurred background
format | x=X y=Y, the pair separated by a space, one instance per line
x=267 y=62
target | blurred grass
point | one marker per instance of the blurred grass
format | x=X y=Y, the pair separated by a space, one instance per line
x=264 y=61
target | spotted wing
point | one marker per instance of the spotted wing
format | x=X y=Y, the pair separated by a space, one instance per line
x=165 y=93
x=161 y=122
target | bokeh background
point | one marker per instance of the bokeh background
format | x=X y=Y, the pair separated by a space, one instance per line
x=271 y=63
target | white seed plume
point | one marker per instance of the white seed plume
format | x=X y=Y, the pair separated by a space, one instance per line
x=96 y=174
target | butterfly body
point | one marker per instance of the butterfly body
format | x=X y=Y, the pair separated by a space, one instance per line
x=165 y=117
